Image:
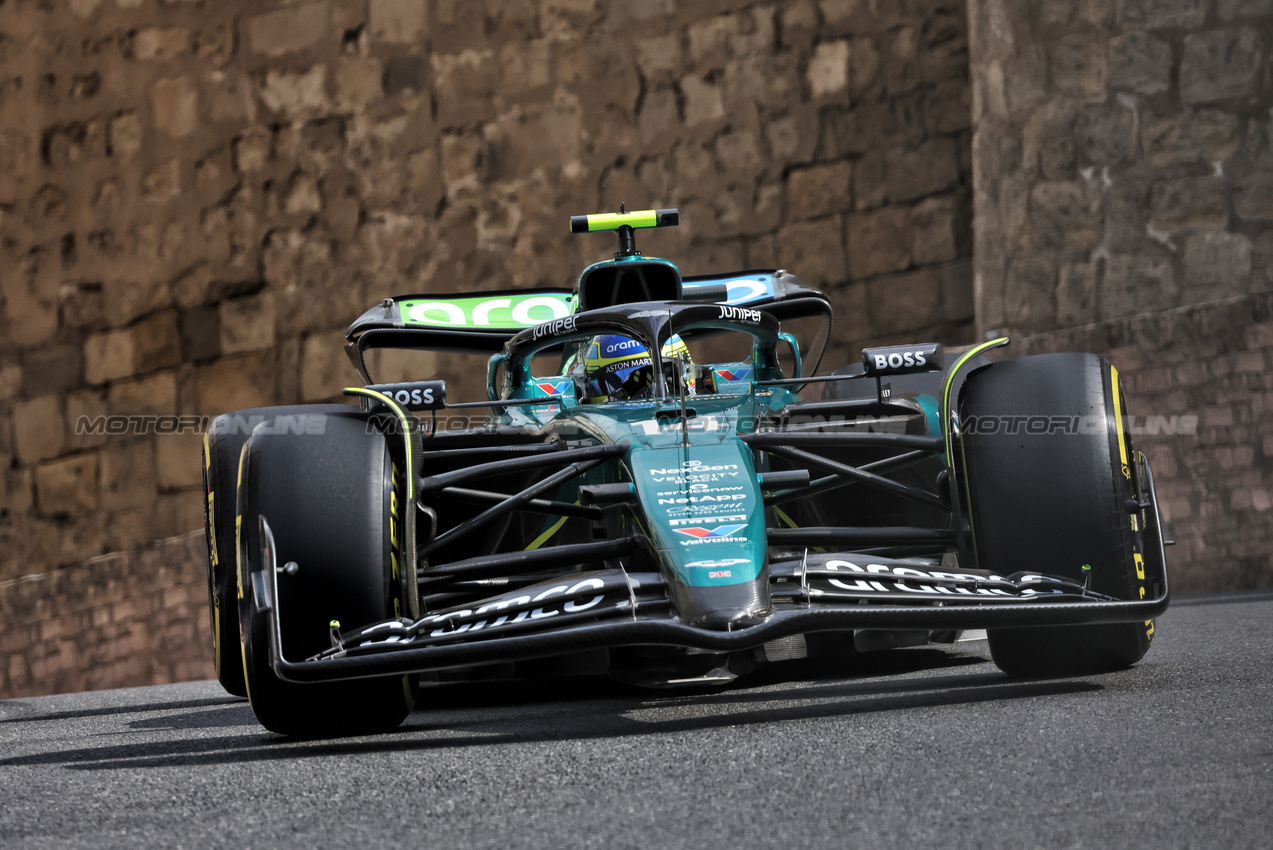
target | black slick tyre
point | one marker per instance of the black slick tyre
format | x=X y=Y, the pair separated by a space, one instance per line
x=222 y=443
x=334 y=503
x=1050 y=472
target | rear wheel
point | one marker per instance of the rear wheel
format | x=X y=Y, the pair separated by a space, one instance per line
x=222 y=443
x=1050 y=474
x=334 y=504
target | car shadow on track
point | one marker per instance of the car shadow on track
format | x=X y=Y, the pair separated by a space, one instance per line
x=121 y=709
x=459 y=715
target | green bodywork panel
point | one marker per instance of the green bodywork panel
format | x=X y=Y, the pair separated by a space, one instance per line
x=498 y=311
x=699 y=504
x=703 y=509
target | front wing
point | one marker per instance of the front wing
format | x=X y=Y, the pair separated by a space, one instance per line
x=611 y=608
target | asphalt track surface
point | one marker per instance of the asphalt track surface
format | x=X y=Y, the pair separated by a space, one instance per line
x=909 y=748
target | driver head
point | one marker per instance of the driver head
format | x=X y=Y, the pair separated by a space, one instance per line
x=617 y=367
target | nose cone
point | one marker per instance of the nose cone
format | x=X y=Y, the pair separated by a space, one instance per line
x=724 y=607
x=730 y=619
x=706 y=518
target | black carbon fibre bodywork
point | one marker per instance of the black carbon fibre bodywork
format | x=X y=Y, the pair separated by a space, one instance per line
x=815 y=614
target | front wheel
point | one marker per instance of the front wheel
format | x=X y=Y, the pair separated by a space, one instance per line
x=222 y=443
x=1050 y=480
x=334 y=503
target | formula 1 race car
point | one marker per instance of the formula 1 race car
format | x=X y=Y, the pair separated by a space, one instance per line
x=657 y=488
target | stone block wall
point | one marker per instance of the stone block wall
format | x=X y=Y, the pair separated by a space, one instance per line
x=1123 y=157
x=1123 y=187
x=196 y=197
x=126 y=619
x=1199 y=387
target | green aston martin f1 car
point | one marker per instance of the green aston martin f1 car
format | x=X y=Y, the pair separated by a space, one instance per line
x=659 y=486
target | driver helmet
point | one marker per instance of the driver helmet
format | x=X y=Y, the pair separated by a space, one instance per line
x=617 y=368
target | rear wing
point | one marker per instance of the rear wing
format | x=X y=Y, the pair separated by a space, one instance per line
x=482 y=322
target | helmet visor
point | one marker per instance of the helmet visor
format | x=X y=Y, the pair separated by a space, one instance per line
x=620 y=381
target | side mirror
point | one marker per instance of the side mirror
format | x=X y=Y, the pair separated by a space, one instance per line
x=795 y=352
x=492 y=374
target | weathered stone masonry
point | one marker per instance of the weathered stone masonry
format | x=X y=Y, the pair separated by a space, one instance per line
x=197 y=197
x=128 y=618
x=1123 y=156
x=1207 y=365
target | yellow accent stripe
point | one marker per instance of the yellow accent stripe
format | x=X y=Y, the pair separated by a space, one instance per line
x=213 y=550
x=1118 y=421
x=210 y=526
x=950 y=378
x=407 y=692
x=543 y=538
x=406 y=424
x=613 y=221
x=238 y=520
x=782 y=515
x=791 y=523
x=947 y=430
x=238 y=571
